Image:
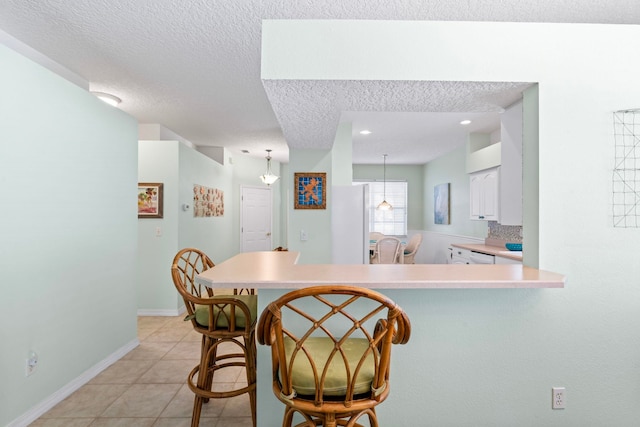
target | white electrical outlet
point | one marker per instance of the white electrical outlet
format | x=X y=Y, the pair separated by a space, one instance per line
x=31 y=364
x=558 y=398
x=303 y=236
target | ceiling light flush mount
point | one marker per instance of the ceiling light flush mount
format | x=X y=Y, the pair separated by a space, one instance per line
x=108 y=98
x=365 y=132
x=268 y=177
x=384 y=206
x=465 y=122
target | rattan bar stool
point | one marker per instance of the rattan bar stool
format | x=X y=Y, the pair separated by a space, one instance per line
x=331 y=349
x=220 y=319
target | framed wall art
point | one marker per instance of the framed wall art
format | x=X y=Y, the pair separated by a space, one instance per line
x=310 y=190
x=207 y=202
x=150 y=202
x=441 y=204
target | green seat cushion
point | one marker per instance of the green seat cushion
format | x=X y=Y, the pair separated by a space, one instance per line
x=202 y=311
x=336 y=380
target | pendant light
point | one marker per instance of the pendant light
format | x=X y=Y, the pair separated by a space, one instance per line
x=384 y=206
x=268 y=177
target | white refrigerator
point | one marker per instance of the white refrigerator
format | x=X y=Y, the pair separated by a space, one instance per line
x=350 y=224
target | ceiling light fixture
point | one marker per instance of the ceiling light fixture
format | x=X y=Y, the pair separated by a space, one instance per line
x=108 y=98
x=268 y=177
x=365 y=132
x=384 y=206
x=465 y=122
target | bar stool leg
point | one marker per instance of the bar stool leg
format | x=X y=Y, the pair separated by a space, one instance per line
x=197 y=409
x=250 y=367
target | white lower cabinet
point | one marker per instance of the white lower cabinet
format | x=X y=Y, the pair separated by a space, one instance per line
x=484 y=191
x=459 y=256
x=503 y=260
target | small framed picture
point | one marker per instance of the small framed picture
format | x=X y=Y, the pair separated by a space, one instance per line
x=150 y=199
x=310 y=190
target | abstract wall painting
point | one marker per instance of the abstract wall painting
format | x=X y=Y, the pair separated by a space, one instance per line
x=441 y=204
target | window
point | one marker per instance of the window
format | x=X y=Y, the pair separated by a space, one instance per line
x=393 y=222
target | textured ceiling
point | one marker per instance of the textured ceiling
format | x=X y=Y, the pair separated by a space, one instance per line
x=194 y=67
x=411 y=121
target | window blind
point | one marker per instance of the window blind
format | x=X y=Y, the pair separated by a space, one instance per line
x=393 y=222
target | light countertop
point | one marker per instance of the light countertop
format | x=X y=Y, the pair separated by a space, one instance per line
x=491 y=250
x=278 y=270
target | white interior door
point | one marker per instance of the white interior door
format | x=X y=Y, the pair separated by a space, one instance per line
x=255 y=219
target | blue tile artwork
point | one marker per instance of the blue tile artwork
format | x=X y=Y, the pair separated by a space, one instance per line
x=310 y=191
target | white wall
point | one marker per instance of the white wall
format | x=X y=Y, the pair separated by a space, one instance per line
x=490 y=357
x=68 y=241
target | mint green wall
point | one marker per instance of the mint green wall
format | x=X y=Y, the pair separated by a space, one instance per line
x=179 y=167
x=316 y=222
x=68 y=243
x=214 y=235
x=158 y=162
x=501 y=351
x=451 y=168
x=220 y=236
x=247 y=171
x=531 y=176
x=342 y=155
x=413 y=174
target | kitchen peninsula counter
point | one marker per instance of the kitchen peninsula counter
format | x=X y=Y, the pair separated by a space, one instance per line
x=279 y=270
x=275 y=273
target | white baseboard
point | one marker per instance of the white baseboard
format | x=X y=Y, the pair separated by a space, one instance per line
x=38 y=410
x=161 y=312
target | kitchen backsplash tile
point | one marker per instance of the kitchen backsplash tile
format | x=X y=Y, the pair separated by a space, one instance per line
x=509 y=233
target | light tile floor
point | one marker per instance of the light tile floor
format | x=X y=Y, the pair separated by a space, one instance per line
x=147 y=387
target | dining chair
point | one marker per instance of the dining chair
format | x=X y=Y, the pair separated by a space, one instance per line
x=220 y=319
x=411 y=249
x=387 y=251
x=331 y=349
x=374 y=235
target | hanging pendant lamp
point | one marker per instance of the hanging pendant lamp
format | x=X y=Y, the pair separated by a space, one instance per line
x=268 y=177
x=384 y=206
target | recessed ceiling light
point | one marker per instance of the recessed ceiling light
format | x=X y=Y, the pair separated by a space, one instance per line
x=365 y=132
x=108 y=98
x=465 y=122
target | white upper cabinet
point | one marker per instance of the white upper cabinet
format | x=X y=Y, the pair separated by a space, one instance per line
x=495 y=171
x=484 y=191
